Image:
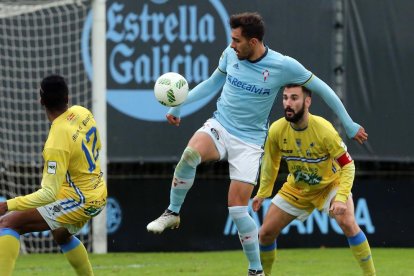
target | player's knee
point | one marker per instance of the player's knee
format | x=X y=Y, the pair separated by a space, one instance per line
x=191 y=157
x=61 y=236
x=5 y=222
x=266 y=236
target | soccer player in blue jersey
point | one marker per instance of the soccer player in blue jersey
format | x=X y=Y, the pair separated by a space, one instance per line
x=250 y=75
x=73 y=189
x=321 y=174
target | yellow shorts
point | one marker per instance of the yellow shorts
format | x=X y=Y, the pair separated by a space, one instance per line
x=70 y=213
x=301 y=203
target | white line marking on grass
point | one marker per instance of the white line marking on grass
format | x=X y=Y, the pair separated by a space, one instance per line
x=98 y=267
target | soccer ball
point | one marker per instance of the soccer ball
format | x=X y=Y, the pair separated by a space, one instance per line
x=171 y=89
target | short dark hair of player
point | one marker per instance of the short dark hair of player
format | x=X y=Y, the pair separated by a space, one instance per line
x=54 y=93
x=305 y=90
x=251 y=23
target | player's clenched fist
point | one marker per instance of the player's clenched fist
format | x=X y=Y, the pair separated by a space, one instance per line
x=337 y=208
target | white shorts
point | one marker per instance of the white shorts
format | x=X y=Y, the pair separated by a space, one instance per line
x=244 y=158
x=301 y=214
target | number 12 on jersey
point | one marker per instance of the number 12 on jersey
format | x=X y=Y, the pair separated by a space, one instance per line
x=90 y=148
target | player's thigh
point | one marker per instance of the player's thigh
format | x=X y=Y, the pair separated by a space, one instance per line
x=275 y=220
x=347 y=220
x=203 y=143
x=239 y=193
x=24 y=221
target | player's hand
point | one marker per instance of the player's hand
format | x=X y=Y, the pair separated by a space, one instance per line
x=3 y=208
x=337 y=208
x=257 y=203
x=172 y=120
x=361 y=136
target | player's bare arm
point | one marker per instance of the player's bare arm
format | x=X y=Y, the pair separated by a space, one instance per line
x=361 y=136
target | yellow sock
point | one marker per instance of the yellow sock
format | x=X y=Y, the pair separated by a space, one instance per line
x=362 y=253
x=9 y=250
x=267 y=257
x=77 y=256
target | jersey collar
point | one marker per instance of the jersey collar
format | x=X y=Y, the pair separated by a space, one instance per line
x=260 y=58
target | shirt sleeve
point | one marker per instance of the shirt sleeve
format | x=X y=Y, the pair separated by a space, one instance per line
x=205 y=88
x=294 y=72
x=346 y=181
x=338 y=150
x=202 y=90
x=223 y=61
x=332 y=100
x=54 y=172
x=270 y=165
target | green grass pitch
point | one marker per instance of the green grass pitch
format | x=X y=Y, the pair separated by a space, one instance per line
x=338 y=261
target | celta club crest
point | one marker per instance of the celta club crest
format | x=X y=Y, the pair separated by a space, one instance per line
x=245 y=238
x=177 y=182
x=265 y=74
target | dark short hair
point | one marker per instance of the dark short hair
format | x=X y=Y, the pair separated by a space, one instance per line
x=251 y=23
x=54 y=92
x=305 y=90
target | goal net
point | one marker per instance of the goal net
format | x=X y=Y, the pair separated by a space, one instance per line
x=37 y=38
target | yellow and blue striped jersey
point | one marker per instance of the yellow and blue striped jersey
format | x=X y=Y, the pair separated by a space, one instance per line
x=314 y=158
x=71 y=169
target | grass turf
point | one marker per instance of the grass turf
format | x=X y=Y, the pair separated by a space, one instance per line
x=338 y=261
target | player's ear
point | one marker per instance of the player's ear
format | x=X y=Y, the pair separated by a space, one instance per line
x=253 y=41
x=308 y=101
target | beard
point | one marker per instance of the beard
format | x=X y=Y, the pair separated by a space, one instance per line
x=247 y=53
x=243 y=57
x=297 y=116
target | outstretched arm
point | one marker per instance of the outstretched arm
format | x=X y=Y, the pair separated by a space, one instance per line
x=269 y=169
x=52 y=181
x=202 y=90
x=353 y=130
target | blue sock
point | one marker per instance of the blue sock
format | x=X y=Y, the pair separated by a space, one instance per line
x=268 y=256
x=362 y=252
x=248 y=234
x=74 y=242
x=183 y=178
x=77 y=256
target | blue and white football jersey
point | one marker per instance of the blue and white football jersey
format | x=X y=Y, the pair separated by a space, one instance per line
x=250 y=91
